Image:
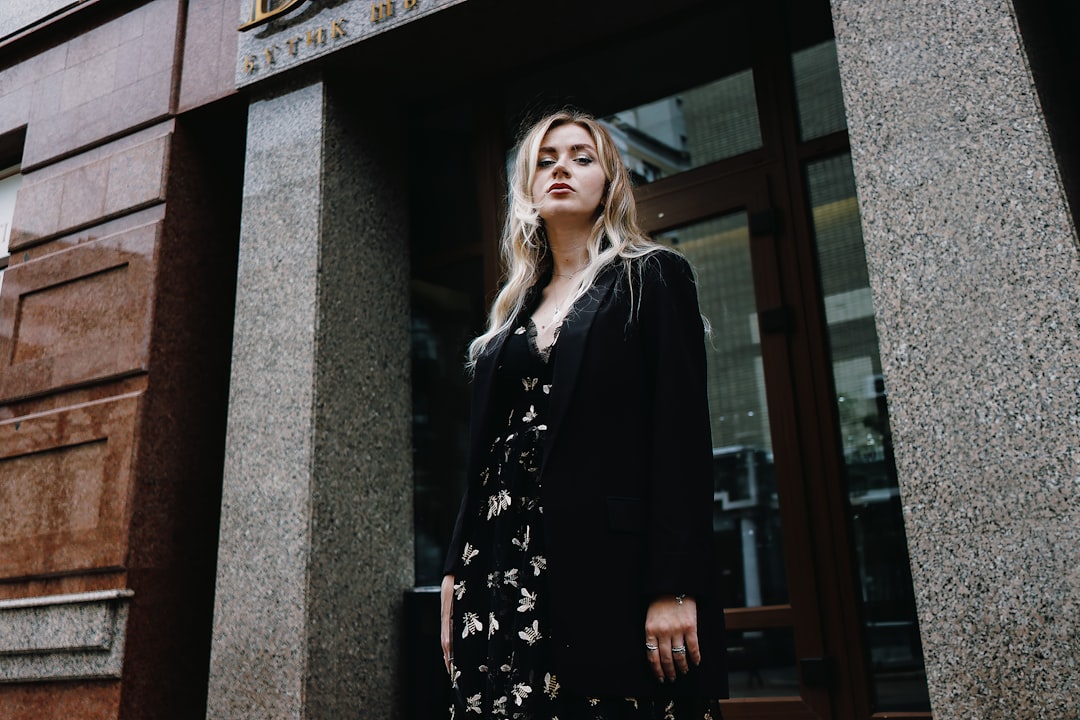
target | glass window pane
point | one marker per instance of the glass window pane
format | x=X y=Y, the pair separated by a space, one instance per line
x=10 y=179
x=746 y=519
x=817 y=90
x=692 y=128
x=447 y=271
x=761 y=663
x=444 y=321
x=890 y=623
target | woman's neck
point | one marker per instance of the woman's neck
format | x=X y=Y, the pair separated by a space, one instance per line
x=569 y=250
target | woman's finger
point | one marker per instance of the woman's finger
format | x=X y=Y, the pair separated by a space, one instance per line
x=693 y=649
x=678 y=654
x=652 y=653
x=666 y=660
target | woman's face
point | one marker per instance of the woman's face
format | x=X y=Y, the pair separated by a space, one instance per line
x=569 y=182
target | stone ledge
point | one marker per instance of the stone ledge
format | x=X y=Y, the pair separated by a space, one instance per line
x=63 y=637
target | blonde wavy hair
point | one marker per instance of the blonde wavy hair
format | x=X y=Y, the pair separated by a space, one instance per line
x=615 y=237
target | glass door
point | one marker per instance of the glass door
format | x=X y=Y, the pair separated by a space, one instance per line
x=721 y=224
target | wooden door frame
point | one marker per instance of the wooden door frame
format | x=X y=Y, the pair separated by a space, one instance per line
x=743 y=184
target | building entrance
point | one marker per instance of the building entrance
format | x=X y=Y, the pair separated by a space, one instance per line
x=734 y=130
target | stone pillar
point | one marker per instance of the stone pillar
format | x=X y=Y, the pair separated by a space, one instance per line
x=316 y=541
x=974 y=267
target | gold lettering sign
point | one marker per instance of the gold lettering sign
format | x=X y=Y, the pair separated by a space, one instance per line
x=315 y=39
x=262 y=12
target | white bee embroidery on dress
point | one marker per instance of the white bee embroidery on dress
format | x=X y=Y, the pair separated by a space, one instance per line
x=497 y=503
x=669 y=711
x=520 y=692
x=473 y=703
x=469 y=553
x=546 y=389
x=529 y=416
x=539 y=563
x=529 y=383
x=510 y=577
x=498 y=706
x=551 y=686
x=527 y=601
x=493 y=624
x=459 y=590
x=520 y=330
x=470 y=624
x=532 y=633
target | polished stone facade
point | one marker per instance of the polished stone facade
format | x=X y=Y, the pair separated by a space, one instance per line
x=114 y=371
x=136 y=400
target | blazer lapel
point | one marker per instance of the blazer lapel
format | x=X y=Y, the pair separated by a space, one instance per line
x=569 y=354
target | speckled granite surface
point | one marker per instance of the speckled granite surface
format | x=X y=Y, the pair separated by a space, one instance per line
x=316 y=528
x=974 y=265
x=63 y=636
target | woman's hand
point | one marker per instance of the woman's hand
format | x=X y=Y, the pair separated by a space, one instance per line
x=671 y=638
x=447 y=605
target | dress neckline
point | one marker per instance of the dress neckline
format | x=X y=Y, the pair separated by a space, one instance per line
x=532 y=333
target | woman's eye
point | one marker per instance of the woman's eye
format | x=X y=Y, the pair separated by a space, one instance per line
x=545 y=162
x=583 y=160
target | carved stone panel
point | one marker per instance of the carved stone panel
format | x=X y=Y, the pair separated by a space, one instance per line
x=65 y=486
x=77 y=316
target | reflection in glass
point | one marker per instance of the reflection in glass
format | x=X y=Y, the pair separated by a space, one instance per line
x=687 y=130
x=890 y=622
x=447 y=271
x=761 y=663
x=746 y=519
x=443 y=322
x=817 y=90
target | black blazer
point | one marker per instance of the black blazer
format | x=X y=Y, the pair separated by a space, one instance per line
x=626 y=476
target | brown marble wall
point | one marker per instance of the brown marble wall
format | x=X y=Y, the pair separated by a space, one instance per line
x=115 y=329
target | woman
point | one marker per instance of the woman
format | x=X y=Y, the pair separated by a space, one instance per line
x=579 y=578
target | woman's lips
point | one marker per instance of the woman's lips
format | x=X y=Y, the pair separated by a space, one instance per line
x=560 y=186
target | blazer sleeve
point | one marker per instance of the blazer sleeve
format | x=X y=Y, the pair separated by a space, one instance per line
x=679 y=482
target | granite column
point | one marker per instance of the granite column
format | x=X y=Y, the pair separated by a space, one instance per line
x=973 y=260
x=316 y=541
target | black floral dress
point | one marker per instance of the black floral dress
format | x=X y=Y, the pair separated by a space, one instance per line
x=501 y=661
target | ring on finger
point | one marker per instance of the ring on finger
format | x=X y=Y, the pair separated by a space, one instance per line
x=680 y=649
x=651 y=647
